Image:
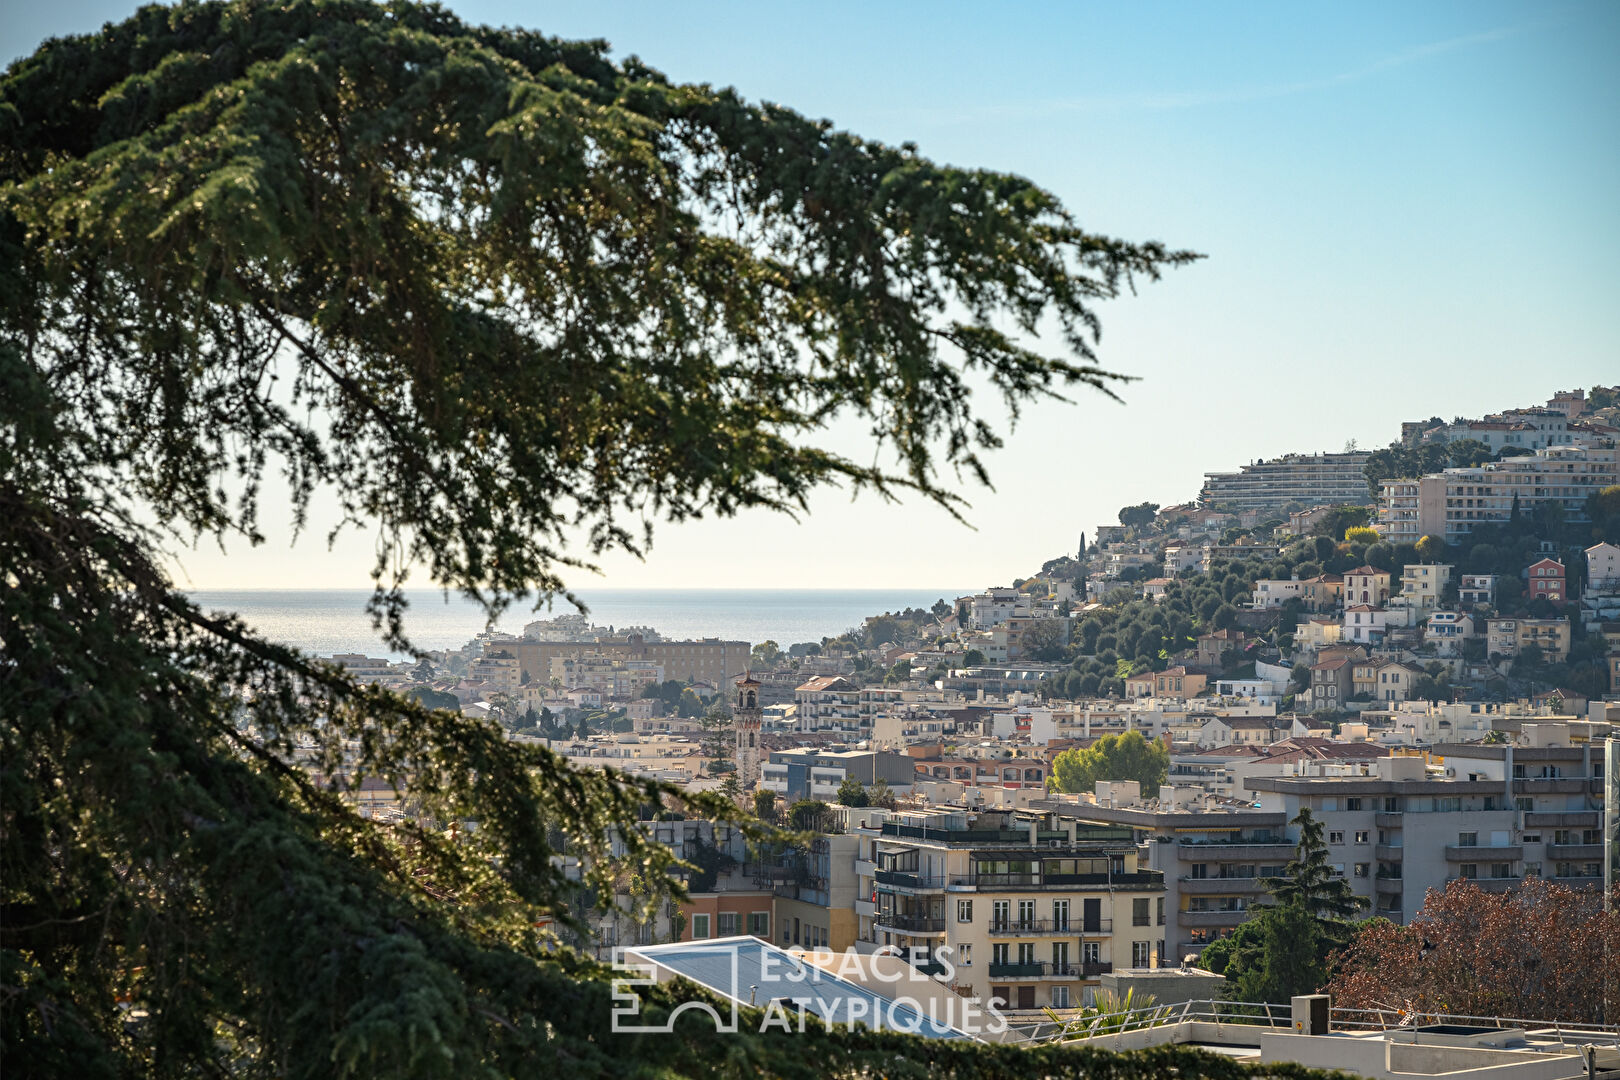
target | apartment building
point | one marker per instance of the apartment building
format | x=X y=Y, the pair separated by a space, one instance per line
x=1508 y=637
x=1367 y=585
x=1175 y=683
x=1313 y=479
x=816 y=889
x=1398 y=827
x=1034 y=909
x=1544 y=580
x=1212 y=858
x=828 y=703
x=1476 y=589
x=809 y=773
x=1423 y=583
x=710 y=660
x=1450 y=504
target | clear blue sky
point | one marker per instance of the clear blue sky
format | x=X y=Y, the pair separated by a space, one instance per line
x=1408 y=209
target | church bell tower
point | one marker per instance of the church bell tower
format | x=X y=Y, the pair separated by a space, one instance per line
x=746 y=717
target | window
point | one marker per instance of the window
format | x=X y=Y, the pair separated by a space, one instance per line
x=730 y=923
x=1468 y=839
x=1161 y=911
x=1500 y=870
x=1362 y=836
x=964 y=955
x=1362 y=869
x=1026 y=913
x=1199 y=871
x=1060 y=914
x=1060 y=954
x=1335 y=837
x=1352 y=804
x=964 y=911
x=1139 y=911
x=1392 y=804
x=1141 y=953
x=1001 y=913
x=1470 y=870
x=998 y=953
x=700 y=927
x=1060 y=997
x=1026 y=952
x=759 y=923
x=1532 y=838
x=1090 y=952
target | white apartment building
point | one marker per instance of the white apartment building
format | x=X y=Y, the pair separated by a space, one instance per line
x=1490 y=814
x=1312 y=479
x=1450 y=504
x=1422 y=584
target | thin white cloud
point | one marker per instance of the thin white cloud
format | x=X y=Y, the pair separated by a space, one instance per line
x=1159 y=101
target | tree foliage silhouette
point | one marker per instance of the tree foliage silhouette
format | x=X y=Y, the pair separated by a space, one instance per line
x=512 y=302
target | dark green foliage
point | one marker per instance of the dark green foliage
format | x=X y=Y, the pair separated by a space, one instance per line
x=1308 y=880
x=504 y=297
x=434 y=699
x=852 y=793
x=810 y=815
x=1281 y=954
x=1139 y=516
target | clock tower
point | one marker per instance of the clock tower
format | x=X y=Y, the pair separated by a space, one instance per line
x=746 y=718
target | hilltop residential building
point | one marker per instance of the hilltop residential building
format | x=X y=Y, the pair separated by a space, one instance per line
x=1366 y=585
x=1325 y=592
x=1545 y=580
x=1175 y=683
x=1476 y=589
x=1275 y=593
x=992 y=606
x=1448 y=630
x=1600 y=599
x=1383 y=680
x=1364 y=624
x=1449 y=504
x=1422 y=584
x=1603 y=567
x=1326 y=479
x=1179 y=557
x=1034 y=909
x=1506 y=638
x=1331 y=679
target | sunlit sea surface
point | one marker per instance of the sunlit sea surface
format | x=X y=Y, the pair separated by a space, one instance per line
x=328 y=621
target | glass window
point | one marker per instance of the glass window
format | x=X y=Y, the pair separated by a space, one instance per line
x=964 y=911
x=1139 y=911
x=730 y=923
x=700 y=927
x=759 y=923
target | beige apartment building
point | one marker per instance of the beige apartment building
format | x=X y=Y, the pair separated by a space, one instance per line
x=1449 y=504
x=1033 y=909
x=710 y=660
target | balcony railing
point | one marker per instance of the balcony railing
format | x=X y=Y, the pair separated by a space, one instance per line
x=908 y=879
x=1574 y=851
x=1221 y=885
x=1016 y=927
x=1044 y=970
x=1142 y=879
x=1475 y=853
x=915 y=924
